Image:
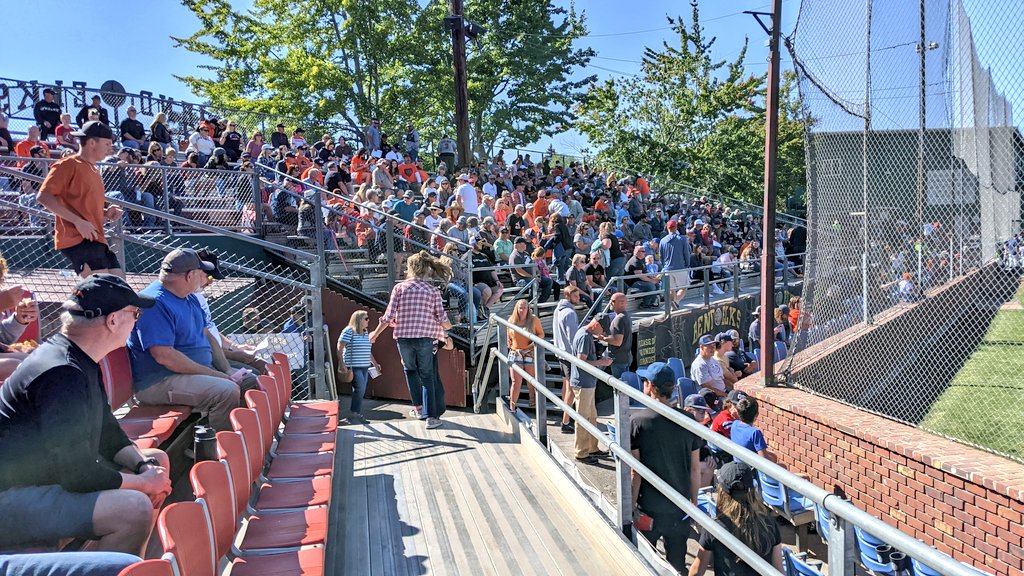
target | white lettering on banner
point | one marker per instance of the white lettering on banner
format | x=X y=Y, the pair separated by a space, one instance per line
x=290 y=344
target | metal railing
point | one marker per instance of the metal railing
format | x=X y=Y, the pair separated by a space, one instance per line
x=250 y=306
x=844 y=516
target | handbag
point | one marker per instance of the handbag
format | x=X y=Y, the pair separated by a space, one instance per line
x=345 y=374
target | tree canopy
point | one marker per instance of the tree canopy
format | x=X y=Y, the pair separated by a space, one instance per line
x=341 y=62
x=689 y=116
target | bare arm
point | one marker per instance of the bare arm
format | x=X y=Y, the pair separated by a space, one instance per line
x=170 y=358
x=702 y=560
x=220 y=361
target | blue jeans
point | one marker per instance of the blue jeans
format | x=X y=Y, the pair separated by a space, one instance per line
x=136 y=219
x=66 y=563
x=418 y=360
x=651 y=300
x=360 y=376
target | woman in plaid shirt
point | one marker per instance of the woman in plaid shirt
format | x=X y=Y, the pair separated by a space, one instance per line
x=416 y=313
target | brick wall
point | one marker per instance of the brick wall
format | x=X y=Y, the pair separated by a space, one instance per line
x=965 y=502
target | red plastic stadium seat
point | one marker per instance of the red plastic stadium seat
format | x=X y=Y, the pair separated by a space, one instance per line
x=311 y=425
x=150 y=412
x=322 y=441
x=304 y=466
x=184 y=532
x=306 y=444
x=116 y=368
x=149 y=568
x=314 y=491
x=144 y=443
x=230 y=449
x=285 y=529
x=210 y=482
x=281 y=371
x=159 y=429
x=305 y=562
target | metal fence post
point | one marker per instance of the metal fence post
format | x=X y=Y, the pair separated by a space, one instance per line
x=471 y=310
x=167 y=200
x=389 y=241
x=540 y=423
x=736 y=281
x=257 y=202
x=667 y=294
x=316 y=375
x=118 y=247
x=707 y=289
x=623 y=482
x=503 y=378
x=842 y=547
x=318 y=217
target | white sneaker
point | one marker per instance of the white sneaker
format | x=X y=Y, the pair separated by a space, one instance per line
x=433 y=423
x=414 y=413
x=716 y=290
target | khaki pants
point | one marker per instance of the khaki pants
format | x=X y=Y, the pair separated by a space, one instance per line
x=586 y=443
x=214 y=396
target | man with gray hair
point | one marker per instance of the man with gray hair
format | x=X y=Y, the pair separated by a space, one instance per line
x=172 y=360
x=69 y=470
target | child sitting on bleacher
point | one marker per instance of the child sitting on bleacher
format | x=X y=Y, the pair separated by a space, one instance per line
x=743 y=431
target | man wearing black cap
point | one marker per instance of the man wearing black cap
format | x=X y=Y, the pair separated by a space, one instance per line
x=172 y=361
x=69 y=470
x=671 y=452
x=83 y=114
x=224 y=349
x=73 y=192
x=47 y=113
x=279 y=138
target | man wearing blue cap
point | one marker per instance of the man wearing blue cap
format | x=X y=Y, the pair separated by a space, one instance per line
x=672 y=453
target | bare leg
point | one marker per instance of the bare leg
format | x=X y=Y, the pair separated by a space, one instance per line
x=124 y=520
x=517 y=383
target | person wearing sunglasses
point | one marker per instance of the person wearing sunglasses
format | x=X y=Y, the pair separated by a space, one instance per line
x=70 y=471
x=201 y=143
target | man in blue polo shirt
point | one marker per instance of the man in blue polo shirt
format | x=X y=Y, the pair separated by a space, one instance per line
x=675 y=258
x=172 y=361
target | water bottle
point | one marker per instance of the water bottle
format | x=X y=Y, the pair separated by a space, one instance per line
x=205 y=443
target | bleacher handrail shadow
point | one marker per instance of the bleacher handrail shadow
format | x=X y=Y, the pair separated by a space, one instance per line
x=845 y=516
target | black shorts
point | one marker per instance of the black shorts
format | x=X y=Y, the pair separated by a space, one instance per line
x=42 y=514
x=566 y=368
x=96 y=255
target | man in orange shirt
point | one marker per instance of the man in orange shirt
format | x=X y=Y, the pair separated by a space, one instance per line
x=407 y=174
x=24 y=148
x=73 y=192
x=540 y=205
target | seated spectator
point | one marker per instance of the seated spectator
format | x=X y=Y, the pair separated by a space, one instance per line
x=236 y=355
x=17 y=311
x=69 y=470
x=284 y=204
x=24 y=148
x=202 y=144
x=705 y=371
x=741 y=512
x=744 y=432
x=64 y=133
x=133 y=133
x=296 y=322
x=172 y=360
x=6 y=140
x=95 y=105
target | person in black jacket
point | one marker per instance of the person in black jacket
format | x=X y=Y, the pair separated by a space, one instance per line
x=69 y=470
x=279 y=138
x=47 y=113
x=83 y=114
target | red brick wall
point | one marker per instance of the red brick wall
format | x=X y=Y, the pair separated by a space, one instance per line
x=965 y=502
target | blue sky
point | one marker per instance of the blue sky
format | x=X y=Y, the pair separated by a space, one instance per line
x=91 y=42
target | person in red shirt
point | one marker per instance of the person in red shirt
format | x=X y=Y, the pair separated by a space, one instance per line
x=722 y=421
x=64 y=135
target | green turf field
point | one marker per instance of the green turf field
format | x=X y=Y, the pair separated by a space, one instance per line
x=984 y=405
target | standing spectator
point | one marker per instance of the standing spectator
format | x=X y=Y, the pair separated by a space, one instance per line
x=61 y=446
x=675 y=257
x=564 y=325
x=172 y=360
x=584 y=385
x=24 y=148
x=741 y=512
x=231 y=141
x=83 y=114
x=133 y=133
x=298 y=138
x=416 y=313
x=372 y=135
x=64 y=133
x=6 y=140
x=47 y=113
x=466 y=196
x=705 y=371
x=73 y=192
x=446 y=149
x=620 y=336
x=161 y=134
x=279 y=138
x=354 y=348
x=412 y=142
x=671 y=452
x=521 y=350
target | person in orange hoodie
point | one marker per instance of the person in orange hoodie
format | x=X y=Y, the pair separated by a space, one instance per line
x=360 y=170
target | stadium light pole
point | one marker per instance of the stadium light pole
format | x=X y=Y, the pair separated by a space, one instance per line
x=771 y=151
x=461 y=90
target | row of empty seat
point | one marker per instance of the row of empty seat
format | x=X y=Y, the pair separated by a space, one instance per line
x=262 y=507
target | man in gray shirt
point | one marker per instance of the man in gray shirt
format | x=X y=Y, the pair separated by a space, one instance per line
x=584 y=385
x=705 y=370
x=565 y=324
x=620 y=336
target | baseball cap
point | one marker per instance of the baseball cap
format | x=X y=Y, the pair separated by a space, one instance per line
x=757 y=311
x=723 y=337
x=462 y=177
x=102 y=294
x=218 y=151
x=49 y=91
x=210 y=257
x=659 y=373
x=94 y=129
x=735 y=396
x=435 y=206
x=710 y=399
x=183 y=260
x=408 y=194
x=736 y=477
x=706 y=340
x=519 y=240
x=734 y=334
x=462 y=220
x=280 y=125
x=696 y=401
x=672 y=224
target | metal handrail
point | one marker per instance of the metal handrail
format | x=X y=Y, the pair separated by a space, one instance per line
x=836 y=506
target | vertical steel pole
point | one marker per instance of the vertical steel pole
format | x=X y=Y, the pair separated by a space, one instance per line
x=865 y=298
x=623 y=482
x=167 y=199
x=471 y=312
x=771 y=153
x=504 y=385
x=540 y=423
x=316 y=376
x=318 y=216
x=922 y=50
x=842 y=547
x=461 y=90
x=257 y=203
x=389 y=241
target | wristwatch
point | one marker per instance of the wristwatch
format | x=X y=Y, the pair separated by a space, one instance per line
x=146 y=462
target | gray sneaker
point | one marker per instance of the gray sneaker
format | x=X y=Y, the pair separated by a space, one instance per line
x=433 y=423
x=414 y=413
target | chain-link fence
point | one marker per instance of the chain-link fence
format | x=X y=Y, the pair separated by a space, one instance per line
x=261 y=306
x=17 y=98
x=915 y=172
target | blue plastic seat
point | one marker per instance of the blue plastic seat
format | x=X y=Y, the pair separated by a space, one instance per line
x=780 y=350
x=676 y=364
x=633 y=380
x=868 y=548
x=797 y=565
x=791 y=505
x=686 y=387
x=706 y=501
x=824 y=522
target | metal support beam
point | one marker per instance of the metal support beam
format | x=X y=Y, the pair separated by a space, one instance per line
x=461 y=90
x=623 y=481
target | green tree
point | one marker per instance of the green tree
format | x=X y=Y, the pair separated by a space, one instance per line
x=345 y=61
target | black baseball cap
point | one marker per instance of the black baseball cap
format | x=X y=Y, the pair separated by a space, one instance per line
x=102 y=294
x=736 y=477
x=184 y=260
x=49 y=91
x=94 y=129
x=210 y=257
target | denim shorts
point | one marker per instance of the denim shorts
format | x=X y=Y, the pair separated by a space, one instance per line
x=44 y=514
x=523 y=357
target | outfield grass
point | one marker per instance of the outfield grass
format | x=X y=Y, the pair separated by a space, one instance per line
x=984 y=404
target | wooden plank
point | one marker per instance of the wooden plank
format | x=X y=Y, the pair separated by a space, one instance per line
x=357 y=531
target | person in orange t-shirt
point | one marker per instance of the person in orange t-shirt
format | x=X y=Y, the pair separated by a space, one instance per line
x=24 y=147
x=73 y=192
x=643 y=186
x=540 y=205
x=407 y=172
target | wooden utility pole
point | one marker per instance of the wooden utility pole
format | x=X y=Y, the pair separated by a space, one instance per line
x=461 y=91
x=771 y=151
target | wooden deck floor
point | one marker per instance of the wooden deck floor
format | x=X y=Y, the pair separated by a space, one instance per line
x=466 y=498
